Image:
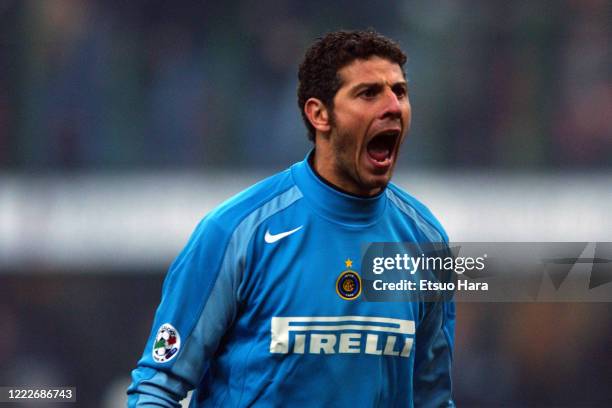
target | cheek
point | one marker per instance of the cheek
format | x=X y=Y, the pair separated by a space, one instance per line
x=353 y=115
x=407 y=114
x=351 y=129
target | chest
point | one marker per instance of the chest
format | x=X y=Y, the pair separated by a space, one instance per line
x=305 y=289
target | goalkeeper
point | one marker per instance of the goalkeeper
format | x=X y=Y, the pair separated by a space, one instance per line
x=263 y=306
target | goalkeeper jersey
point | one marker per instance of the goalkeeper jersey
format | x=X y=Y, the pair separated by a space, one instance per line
x=263 y=307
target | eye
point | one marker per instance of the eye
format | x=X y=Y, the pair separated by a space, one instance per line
x=369 y=93
x=400 y=90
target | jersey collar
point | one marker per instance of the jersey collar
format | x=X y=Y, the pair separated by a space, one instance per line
x=332 y=203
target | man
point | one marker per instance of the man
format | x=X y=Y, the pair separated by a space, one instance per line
x=263 y=305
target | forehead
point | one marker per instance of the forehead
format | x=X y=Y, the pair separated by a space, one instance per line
x=373 y=69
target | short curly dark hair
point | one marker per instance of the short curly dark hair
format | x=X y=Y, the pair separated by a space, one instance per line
x=318 y=73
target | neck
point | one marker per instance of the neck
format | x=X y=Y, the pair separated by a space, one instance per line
x=323 y=162
x=332 y=203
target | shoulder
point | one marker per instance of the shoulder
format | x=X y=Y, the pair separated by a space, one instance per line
x=230 y=225
x=418 y=212
x=259 y=201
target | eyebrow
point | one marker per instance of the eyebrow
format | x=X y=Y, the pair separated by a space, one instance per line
x=364 y=85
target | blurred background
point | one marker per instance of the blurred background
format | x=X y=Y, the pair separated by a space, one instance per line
x=123 y=123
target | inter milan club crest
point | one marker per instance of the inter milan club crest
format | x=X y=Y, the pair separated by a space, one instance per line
x=167 y=343
x=348 y=284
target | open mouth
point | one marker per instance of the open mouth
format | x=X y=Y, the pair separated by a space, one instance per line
x=381 y=147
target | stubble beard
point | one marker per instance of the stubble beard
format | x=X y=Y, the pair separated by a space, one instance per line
x=348 y=162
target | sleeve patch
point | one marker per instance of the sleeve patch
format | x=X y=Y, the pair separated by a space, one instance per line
x=167 y=343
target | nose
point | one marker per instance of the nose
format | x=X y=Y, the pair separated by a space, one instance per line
x=392 y=105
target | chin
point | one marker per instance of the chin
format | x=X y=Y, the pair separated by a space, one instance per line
x=378 y=182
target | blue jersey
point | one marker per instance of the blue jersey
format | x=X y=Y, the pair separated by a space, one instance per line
x=252 y=313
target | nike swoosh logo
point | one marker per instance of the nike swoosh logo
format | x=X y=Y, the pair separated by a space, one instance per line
x=273 y=238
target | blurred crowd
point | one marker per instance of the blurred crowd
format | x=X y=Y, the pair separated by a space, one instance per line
x=108 y=84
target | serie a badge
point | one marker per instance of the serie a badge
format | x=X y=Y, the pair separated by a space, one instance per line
x=167 y=343
x=348 y=284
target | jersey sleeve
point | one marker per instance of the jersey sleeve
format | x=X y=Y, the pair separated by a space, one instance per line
x=198 y=303
x=434 y=348
x=434 y=353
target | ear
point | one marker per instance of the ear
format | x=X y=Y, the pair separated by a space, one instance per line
x=317 y=114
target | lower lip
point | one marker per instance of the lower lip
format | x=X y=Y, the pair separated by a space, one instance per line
x=380 y=165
